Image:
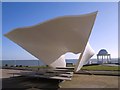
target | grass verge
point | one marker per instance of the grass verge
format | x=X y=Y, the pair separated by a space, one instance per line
x=101 y=67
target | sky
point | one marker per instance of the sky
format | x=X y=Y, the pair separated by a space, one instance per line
x=104 y=33
x=119 y=30
x=0 y=31
x=60 y=0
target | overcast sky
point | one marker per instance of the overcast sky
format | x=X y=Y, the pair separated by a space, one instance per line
x=104 y=33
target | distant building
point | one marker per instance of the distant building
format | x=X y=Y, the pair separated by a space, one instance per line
x=103 y=56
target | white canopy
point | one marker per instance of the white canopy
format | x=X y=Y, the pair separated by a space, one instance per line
x=50 y=40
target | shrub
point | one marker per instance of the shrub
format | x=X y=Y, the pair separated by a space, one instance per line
x=20 y=66
x=6 y=65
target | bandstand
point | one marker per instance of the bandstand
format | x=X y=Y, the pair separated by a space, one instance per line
x=103 y=56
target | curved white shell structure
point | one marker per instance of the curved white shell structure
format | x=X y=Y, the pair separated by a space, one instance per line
x=84 y=57
x=50 y=40
x=60 y=62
